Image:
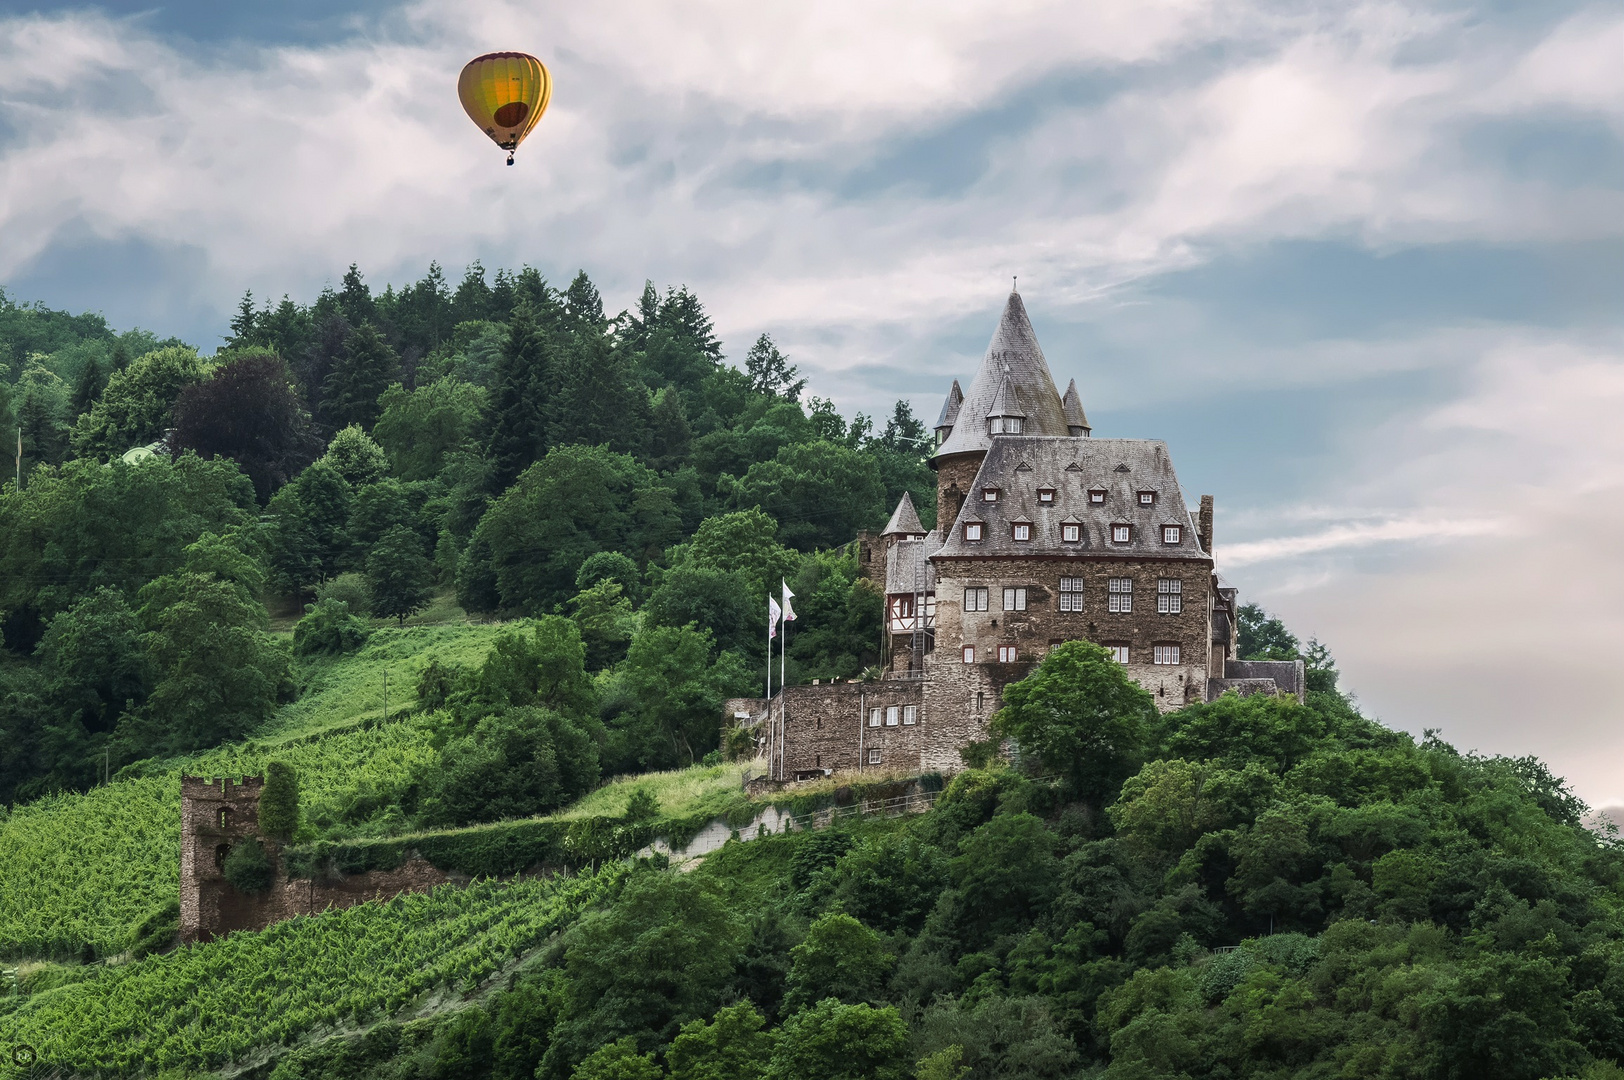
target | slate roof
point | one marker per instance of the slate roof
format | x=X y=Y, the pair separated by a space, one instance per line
x=1013 y=350
x=950 y=407
x=904 y=519
x=1019 y=465
x=1072 y=404
x=906 y=558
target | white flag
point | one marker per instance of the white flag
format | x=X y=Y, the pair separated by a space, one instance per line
x=772 y=618
x=789 y=612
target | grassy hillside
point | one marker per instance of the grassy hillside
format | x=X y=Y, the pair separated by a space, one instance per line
x=79 y=869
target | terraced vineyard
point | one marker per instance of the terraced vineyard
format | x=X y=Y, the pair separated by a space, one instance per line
x=80 y=869
x=204 y=1006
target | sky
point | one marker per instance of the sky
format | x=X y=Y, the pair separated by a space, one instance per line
x=1361 y=265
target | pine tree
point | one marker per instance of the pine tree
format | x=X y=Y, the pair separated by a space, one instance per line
x=670 y=436
x=583 y=307
x=771 y=372
x=243 y=323
x=356 y=298
x=473 y=296
x=45 y=439
x=121 y=356
x=92 y=381
x=597 y=402
x=520 y=384
x=362 y=373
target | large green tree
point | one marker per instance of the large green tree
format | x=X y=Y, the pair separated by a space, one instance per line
x=399 y=576
x=359 y=376
x=418 y=428
x=135 y=407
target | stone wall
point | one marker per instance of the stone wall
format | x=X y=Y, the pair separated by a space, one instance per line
x=955 y=475
x=1042 y=624
x=825 y=728
x=228 y=910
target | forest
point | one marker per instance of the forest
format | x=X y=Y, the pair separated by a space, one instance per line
x=469 y=571
x=503 y=445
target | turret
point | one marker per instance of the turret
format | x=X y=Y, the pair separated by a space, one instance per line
x=1076 y=419
x=950 y=413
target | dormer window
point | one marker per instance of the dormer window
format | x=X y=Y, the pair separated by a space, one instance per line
x=1147 y=498
x=972 y=532
x=1021 y=530
x=1096 y=497
x=1121 y=534
x=1070 y=532
x=1171 y=534
x=1045 y=495
x=989 y=494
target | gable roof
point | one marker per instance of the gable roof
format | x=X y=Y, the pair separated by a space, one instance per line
x=1072 y=466
x=1013 y=353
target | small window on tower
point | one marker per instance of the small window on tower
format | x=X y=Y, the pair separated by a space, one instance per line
x=874 y=757
x=892 y=715
x=1045 y=495
x=1006 y=654
x=873 y=718
x=1169 y=596
x=1164 y=654
x=1071 y=594
x=1120 y=593
x=1071 y=533
x=1014 y=599
x=1170 y=534
x=972 y=531
x=989 y=494
x=1119 y=653
x=969 y=654
x=1096 y=497
x=975 y=599
x=1147 y=498
x=1022 y=530
x=1121 y=534
x=910 y=714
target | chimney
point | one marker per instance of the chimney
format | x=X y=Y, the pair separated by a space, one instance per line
x=1204 y=529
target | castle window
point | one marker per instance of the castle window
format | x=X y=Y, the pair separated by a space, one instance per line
x=225 y=817
x=874 y=756
x=1006 y=654
x=1121 y=534
x=975 y=599
x=220 y=853
x=1169 y=596
x=989 y=494
x=1071 y=594
x=910 y=714
x=1070 y=533
x=1022 y=530
x=969 y=654
x=1096 y=497
x=972 y=531
x=1119 y=653
x=892 y=714
x=1164 y=654
x=1045 y=495
x=874 y=718
x=1119 y=591
x=981 y=701
x=1170 y=534
x=1147 y=498
x=1014 y=599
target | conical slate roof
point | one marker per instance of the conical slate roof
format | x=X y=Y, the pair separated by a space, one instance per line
x=950 y=407
x=1014 y=348
x=1072 y=403
x=904 y=519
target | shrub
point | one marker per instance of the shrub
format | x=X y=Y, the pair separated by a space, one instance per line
x=328 y=627
x=349 y=587
x=279 y=801
x=248 y=866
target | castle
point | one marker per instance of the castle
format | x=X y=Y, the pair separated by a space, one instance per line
x=1044 y=534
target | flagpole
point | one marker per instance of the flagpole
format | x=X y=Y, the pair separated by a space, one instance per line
x=771 y=735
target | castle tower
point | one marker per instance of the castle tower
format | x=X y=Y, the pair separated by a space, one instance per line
x=1012 y=388
x=214 y=814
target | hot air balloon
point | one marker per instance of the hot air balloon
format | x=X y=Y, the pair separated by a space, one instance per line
x=505 y=93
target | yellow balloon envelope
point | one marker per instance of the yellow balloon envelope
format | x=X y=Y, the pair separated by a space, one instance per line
x=505 y=93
